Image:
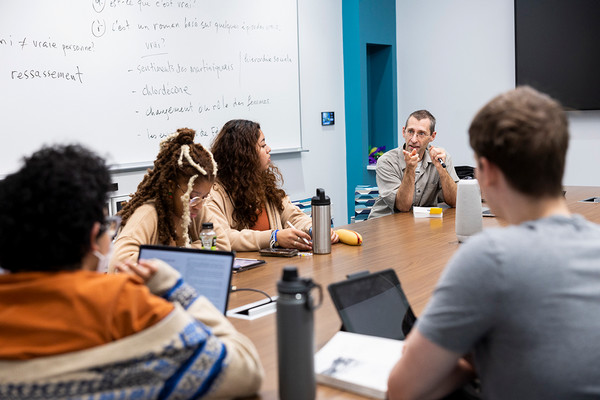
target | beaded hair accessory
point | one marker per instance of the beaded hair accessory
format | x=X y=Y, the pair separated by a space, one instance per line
x=185 y=152
x=185 y=198
x=185 y=218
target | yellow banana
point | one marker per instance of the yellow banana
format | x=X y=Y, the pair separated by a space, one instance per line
x=349 y=237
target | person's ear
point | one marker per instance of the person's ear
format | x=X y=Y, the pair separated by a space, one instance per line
x=433 y=136
x=487 y=172
x=94 y=236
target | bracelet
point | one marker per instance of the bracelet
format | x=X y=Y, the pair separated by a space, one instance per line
x=273 y=242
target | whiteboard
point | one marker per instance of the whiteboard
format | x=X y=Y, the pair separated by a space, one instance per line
x=120 y=75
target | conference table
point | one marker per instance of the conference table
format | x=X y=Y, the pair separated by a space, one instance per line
x=416 y=248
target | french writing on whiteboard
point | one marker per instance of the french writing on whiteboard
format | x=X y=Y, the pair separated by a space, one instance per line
x=119 y=75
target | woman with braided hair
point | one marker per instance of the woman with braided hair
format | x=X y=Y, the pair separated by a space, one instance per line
x=167 y=206
x=247 y=199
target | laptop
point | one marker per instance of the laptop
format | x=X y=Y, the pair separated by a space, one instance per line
x=207 y=271
x=373 y=304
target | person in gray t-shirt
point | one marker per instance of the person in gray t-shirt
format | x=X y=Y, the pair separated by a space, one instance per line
x=518 y=306
x=416 y=174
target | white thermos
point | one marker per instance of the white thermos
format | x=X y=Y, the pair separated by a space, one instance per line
x=321 y=223
x=468 y=209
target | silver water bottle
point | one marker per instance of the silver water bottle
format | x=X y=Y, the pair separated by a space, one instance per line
x=295 y=335
x=321 y=223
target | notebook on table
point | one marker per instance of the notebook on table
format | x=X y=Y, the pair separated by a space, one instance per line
x=208 y=271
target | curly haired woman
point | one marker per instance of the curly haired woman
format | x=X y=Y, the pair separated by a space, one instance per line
x=167 y=206
x=247 y=199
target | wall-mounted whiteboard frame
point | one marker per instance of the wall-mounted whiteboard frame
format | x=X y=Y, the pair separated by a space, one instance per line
x=120 y=75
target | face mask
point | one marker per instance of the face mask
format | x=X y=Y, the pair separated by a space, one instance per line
x=103 y=259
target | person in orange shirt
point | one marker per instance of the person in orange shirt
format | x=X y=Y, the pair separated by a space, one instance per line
x=247 y=198
x=67 y=331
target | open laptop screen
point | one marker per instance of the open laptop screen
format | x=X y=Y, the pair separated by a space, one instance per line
x=208 y=271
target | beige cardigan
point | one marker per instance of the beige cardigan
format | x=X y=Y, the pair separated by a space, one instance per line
x=142 y=228
x=249 y=239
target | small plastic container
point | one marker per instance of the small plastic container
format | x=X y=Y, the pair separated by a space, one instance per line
x=208 y=236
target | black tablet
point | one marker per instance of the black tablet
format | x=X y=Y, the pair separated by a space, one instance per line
x=207 y=271
x=373 y=304
x=244 y=264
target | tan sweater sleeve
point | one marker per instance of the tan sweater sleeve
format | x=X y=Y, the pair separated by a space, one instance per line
x=293 y=214
x=207 y=215
x=141 y=228
x=240 y=240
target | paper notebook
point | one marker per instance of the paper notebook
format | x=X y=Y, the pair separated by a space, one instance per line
x=358 y=363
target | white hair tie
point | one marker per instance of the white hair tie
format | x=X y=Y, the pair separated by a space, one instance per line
x=185 y=151
x=186 y=220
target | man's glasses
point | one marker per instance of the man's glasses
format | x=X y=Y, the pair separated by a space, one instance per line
x=420 y=135
x=110 y=226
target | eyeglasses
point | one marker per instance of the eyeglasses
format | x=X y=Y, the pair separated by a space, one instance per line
x=110 y=226
x=420 y=134
x=197 y=200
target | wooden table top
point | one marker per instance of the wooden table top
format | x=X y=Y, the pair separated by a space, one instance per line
x=416 y=248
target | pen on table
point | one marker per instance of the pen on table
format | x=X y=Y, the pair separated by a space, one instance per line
x=293 y=227
x=442 y=162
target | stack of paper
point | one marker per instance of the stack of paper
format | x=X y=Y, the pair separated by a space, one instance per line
x=428 y=212
x=358 y=363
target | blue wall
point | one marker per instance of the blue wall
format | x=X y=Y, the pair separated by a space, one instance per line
x=367 y=22
x=380 y=85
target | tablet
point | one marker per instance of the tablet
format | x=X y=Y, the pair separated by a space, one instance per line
x=244 y=264
x=207 y=271
x=373 y=304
